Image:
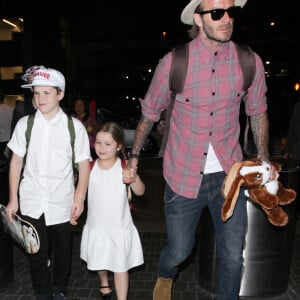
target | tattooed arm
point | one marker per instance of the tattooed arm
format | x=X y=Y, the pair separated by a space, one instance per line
x=260 y=130
x=142 y=131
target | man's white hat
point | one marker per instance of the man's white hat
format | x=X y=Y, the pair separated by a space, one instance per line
x=187 y=15
x=47 y=77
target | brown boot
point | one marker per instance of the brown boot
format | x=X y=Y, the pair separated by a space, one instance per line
x=162 y=289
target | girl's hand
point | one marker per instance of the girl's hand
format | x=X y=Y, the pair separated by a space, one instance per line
x=129 y=174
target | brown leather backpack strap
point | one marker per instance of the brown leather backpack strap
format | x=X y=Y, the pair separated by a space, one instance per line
x=247 y=63
x=179 y=65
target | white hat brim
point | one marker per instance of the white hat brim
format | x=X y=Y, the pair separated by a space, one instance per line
x=187 y=15
x=42 y=83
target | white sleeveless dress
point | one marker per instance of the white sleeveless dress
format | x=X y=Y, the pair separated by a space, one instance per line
x=110 y=240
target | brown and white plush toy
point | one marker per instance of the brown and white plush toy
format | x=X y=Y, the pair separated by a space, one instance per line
x=254 y=175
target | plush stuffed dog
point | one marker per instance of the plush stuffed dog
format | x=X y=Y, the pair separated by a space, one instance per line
x=254 y=175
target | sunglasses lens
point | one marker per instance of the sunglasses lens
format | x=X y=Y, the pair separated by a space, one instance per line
x=217 y=14
x=233 y=11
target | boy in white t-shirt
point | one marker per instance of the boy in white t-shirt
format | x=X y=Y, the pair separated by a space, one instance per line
x=47 y=195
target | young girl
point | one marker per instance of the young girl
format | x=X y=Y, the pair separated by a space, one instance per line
x=110 y=240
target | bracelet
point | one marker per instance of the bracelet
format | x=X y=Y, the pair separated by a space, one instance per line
x=133 y=155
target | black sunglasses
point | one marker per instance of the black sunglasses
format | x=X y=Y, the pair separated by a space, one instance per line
x=218 y=14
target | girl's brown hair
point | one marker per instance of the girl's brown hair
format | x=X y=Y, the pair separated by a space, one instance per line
x=117 y=134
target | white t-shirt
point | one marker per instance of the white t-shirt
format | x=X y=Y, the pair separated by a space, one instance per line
x=212 y=164
x=47 y=185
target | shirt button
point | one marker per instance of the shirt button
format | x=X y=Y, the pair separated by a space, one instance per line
x=187 y=100
x=204 y=153
x=201 y=172
x=213 y=70
x=213 y=93
x=211 y=113
x=216 y=53
x=210 y=134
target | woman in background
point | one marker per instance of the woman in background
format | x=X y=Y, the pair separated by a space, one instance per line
x=81 y=112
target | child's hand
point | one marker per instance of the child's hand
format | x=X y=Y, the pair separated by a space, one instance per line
x=129 y=174
x=77 y=209
x=11 y=209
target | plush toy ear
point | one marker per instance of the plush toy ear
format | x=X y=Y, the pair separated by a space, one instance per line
x=231 y=189
x=277 y=166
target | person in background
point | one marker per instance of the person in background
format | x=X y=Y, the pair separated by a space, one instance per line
x=25 y=107
x=110 y=240
x=203 y=142
x=292 y=143
x=45 y=192
x=292 y=147
x=81 y=112
x=6 y=112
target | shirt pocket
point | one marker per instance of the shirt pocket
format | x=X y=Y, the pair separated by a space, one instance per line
x=189 y=111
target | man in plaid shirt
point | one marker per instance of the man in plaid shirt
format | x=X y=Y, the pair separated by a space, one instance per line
x=203 y=141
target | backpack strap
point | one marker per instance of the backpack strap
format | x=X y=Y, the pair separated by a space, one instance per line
x=180 y=55
x=247 y=63
x=92 y=163
x=179 y=65
x=30 y=121
x=123 y=163
x=72 y=141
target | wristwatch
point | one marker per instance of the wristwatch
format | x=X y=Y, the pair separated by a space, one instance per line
x=133 y=155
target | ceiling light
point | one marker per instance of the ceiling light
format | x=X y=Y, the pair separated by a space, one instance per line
x=9 y=23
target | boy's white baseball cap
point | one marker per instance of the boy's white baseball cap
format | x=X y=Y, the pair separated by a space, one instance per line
x=30 y=72
x=47 y=77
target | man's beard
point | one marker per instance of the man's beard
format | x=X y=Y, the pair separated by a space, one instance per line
x=212 y=36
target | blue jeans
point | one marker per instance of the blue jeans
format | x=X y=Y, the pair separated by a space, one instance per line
x=182 y=215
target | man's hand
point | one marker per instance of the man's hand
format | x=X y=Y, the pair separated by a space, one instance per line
x=274 y=174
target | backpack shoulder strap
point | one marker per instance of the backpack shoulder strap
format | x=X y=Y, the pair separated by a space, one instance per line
x=72 y=141
x=247 y=63
x=92 y=163
x=180 y=55
x=30 y=121
x=178 y=70
x=123 y=163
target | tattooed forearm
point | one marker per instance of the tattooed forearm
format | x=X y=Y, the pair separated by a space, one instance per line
x=260 y=130
x=142 y=131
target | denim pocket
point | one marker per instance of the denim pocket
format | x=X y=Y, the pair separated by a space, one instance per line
x=169 y=196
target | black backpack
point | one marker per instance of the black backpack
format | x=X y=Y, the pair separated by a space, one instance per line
x=180 y=55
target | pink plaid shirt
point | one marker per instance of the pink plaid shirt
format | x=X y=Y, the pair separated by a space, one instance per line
x=206 y=112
